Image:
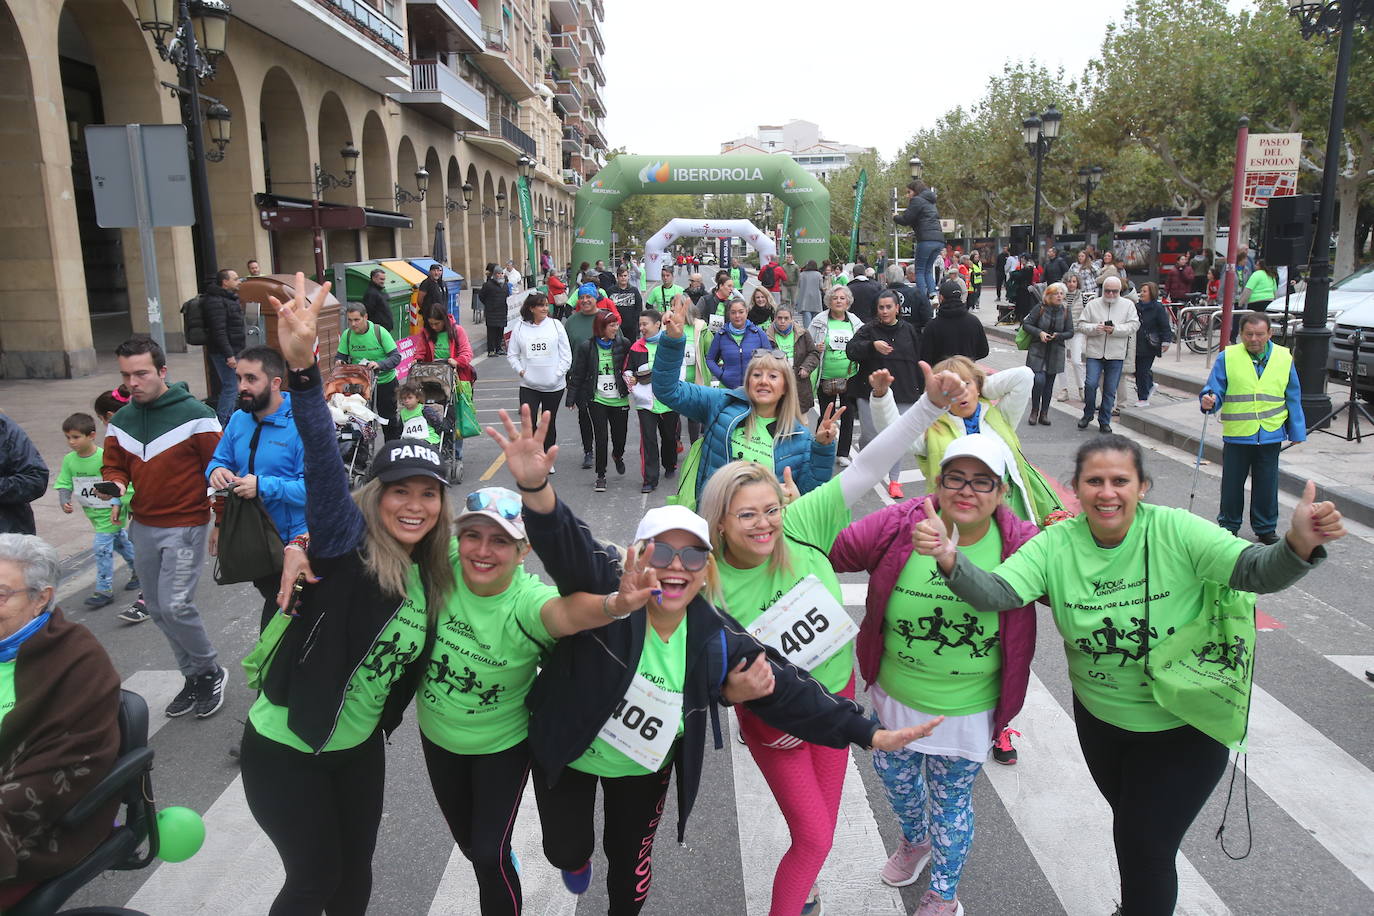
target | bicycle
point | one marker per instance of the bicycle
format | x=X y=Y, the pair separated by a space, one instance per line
x=1199 y=331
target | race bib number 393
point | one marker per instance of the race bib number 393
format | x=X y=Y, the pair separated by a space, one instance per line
x=644 y=723
x=806 y=624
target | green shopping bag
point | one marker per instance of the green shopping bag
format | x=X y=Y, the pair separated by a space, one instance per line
x=1023 y=339
x=1204 y=670
x=256 y=663
x=1043 y=498
x=687 y=478
x=467 y=414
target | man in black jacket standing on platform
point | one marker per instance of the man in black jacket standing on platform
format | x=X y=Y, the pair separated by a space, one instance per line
x=227 y=335
x=954 y=331
x=374 y=300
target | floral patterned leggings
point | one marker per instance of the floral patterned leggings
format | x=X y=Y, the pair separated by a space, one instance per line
x=932 y=797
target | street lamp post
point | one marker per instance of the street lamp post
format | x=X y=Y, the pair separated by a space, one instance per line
x=451 y=205
x=198 y=31
x=1089 y=178
x=323 y=182
x=1040 y=132
x=1333 y=19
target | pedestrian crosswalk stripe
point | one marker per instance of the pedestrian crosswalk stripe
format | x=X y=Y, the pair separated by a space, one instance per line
x=1356 y=665
x=1317 y=783
x=157 y=688
x=541 y=885
x=1064 y=819
x=848 y=882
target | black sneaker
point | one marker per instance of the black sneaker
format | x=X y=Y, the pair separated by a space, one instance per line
x=210 y=692
x=586 y=461
x=1002 y=750
x=1267 y=538
x=1104 y=428
x=620 y=464
x=600 y=485
x=99 y=600
x=1083 y=422
x=648 y=488
x=184 y=701
x=135 y=613
x=670 y=473
x=133 y=585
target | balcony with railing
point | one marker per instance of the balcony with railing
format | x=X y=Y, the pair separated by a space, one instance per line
x=564 y=12
x=504 y=140
x=567 y=94
x=345 y=35
x=499 y=63
x=573 y=139
x=599 y=10
x=590 y=27
x=566 y=49
x=444 y=96
x=450 y=25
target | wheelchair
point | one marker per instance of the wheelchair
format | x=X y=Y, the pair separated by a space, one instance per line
x=130 y=781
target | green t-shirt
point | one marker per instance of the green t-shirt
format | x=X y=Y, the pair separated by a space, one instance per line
x=415 y=426
x=373 y=344
x=606 y=390
x=661 y=297
x=400 y=643
x=758 y=447
x=835 y=364
x=6 y=690
x=810 y=526
x=1262 y=287
x=1098 y=598
x=441 y=347
x=939 y=656
x=80 y=476
x=486 y=654
x=719 y=309
x=664 y=664
x=787 y=343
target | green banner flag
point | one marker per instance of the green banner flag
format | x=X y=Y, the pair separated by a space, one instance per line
x=786 y=227
x=859 y=189
x=527 y=220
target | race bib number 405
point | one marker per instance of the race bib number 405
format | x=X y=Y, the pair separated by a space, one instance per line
x=806 y=624
x=644 y=723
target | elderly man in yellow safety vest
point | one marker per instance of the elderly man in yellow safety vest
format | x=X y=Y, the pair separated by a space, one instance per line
x=1256 y=389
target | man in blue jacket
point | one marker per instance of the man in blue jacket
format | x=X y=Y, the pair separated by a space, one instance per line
x=260 y=454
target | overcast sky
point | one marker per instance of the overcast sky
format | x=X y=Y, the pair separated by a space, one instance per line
x=685 y=77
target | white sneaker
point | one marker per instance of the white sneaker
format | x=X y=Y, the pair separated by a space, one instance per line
x=1142 y=403
x=843 y=461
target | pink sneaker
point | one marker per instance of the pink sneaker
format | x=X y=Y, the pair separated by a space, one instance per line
x=932 y=904
x=906 y=863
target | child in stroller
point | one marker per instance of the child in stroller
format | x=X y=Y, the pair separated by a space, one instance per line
x=425 y=410
x=350 y=393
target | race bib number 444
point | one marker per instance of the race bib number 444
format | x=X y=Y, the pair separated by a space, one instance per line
x=806 y=624
x=644 y=723
x=84 y=490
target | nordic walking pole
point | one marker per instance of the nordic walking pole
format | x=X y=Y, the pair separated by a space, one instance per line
x=1197 y=465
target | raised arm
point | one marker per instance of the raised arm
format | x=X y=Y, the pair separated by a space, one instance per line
x=696 y=402
x=1010 y=390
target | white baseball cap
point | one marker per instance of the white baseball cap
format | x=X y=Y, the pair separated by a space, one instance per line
x=990 y=450
x=673 y=518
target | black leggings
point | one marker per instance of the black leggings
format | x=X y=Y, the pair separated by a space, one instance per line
x=321 y=812
x=846 y=421
x=1156 y=783
x=479 y=795
x=539 y=402
x=632 y=807
x=608 y=422
x=495 y=334
x=658 y=438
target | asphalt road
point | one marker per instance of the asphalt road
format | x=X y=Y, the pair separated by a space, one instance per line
x=1043 y=840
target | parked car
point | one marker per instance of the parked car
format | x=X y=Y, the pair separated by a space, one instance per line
x=1350 y=311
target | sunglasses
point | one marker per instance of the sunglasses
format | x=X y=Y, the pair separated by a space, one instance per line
x=693 y=558
x=497 y=500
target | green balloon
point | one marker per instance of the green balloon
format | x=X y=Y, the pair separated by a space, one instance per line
x=180 y=833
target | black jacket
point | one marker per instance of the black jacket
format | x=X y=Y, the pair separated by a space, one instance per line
x=696 y=294
x=907 y=380
x=586 y=366
x=433 y=291
x=378 y=309
x=1055 y=268
x=1154 y=327
x=224 y=321
x=629 y=303
x=953 y=332
x=587 y=674
x=493 y=296
x=921 y=217
x=865 y=293
x=23 y=478
x=912 y=307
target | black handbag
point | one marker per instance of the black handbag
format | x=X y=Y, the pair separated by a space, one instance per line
x=250 y=546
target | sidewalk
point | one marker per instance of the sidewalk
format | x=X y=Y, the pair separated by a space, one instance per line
x=1343 y=471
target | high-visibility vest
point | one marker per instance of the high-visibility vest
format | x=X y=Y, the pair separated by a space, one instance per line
x=1253 y=401
x=975 y=273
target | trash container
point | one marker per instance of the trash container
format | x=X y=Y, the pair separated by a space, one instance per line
x=253 y=293
x=397 y=289
x=409 y=322
x=451 y=277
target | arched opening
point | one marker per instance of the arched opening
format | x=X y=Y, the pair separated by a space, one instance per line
x=473 y=241
x=490 y=249
x=378 y=184
x=238 y=233
x=412 y=239
x=432 y=211
x=505 y=204
x=454 y=217
x=334 y=133
x=286 y=166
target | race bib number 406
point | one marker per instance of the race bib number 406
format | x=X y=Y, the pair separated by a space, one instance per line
x=806 y=624
x=644 y=723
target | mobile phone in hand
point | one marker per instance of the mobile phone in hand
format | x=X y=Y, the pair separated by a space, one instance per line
x=293 y=600
x=1110 y=324
x=106 y=488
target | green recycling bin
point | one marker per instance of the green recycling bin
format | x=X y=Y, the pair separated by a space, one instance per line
x=355 y=278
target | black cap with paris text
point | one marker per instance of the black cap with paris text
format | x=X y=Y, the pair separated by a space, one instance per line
x=402 y=458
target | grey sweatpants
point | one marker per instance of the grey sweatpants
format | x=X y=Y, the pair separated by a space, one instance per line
x=168 y=562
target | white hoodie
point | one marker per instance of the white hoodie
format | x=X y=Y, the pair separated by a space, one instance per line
x=540 y=354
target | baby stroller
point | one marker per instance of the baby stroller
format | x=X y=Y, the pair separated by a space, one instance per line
x=438 y=384
x=351 y=395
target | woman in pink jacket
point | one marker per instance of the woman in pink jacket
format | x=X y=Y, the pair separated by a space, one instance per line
x=925 y=653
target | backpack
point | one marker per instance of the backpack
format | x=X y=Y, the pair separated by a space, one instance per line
x=193 y=322
x=766 y=276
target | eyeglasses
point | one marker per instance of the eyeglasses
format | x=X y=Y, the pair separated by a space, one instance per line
x=956 y=482
x=750 y=516
x=7 y=593
x=495 y=499
x=693 y=558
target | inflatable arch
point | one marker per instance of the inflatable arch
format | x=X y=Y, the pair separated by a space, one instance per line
x=759 y=240
x=776 y=174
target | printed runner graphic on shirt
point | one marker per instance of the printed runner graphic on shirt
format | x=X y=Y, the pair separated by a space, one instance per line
x=385 y=661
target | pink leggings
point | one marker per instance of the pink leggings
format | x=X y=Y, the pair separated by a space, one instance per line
x=806 y=780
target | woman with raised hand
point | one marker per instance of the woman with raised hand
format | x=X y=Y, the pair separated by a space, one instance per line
x=1119 y=579
x=923 y=654
x=777 y=580
x=760 y=419
x=626 y=708
x=337 y=674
